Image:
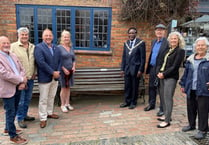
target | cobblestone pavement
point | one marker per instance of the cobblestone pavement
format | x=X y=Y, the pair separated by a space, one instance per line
x=98 y=120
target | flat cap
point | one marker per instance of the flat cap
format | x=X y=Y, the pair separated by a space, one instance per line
x=160 y=26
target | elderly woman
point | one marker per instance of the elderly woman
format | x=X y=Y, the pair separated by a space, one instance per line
x=168 y=74
x=194 y=83
x=68 y=68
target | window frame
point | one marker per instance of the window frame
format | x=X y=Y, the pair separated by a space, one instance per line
x=72 y=23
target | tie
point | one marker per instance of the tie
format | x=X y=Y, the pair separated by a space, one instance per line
x=131 y=43
x=51 y=50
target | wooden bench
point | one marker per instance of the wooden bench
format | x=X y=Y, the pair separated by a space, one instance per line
x=97 y=81
x=101 y=81
x=35 y=87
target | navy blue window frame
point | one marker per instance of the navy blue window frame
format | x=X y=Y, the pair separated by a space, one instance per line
x=73 y=9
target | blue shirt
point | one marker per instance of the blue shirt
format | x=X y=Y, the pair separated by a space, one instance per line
x=196 y=65
x=155 y=51
x=11 y=61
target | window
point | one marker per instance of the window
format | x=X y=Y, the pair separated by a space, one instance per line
x=44 y=21
x=26 y=17
x=82 y=28
x=89 y=26
x=100 y=28
x=63 y=20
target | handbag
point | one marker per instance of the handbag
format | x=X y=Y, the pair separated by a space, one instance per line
x=156 y=82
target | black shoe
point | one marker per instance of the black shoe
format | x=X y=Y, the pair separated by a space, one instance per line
x=160 y=113
x=187 y=128
x=148 y=108
x=132 y=107
x=29 y=118
x=22 y=124
x=124 y=105
x=200 y=135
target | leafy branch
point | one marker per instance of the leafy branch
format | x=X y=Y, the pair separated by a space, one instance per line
x=157 y=11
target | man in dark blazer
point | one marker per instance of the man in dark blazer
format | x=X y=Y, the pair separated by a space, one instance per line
x=158 y=47
x=132 y=67
x=48 y=61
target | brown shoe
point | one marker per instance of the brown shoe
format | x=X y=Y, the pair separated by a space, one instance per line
x=53 y=116
x=18 y=132
x=18 y=140
x=43 y=124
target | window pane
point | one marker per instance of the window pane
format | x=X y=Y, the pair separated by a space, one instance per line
x=82 y=28
x=63 y=21
x=27 y=20
x=100 y=28
x=44 y=21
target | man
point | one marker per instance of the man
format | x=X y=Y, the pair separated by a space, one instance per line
x=12 y=78
x=132 y=67
x=24 y=50
x=159 y=46
x=47 y=57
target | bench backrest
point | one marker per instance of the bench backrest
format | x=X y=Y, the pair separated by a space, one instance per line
x=98 y=79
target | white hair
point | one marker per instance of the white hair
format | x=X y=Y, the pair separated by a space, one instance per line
x=22 y=29
x=180 y=37
x=200 y=39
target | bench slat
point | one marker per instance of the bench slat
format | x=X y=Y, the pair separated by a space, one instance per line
x=98 y=79
x=97 y=69
x=96 y=76
x=96 y=82
x=96 y=73
x=97 y=89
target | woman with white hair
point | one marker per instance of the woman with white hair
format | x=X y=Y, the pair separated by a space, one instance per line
x=194 y=83
x=168 y=74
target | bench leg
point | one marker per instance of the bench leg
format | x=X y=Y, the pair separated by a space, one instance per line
x=57 y=100
x=142 y=95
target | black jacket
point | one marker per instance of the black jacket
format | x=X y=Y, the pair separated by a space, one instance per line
x=134 y=62
x=173 y=63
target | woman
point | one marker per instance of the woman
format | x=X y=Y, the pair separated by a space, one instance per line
x=168 y=73
x=194 y=83
x=68 y=68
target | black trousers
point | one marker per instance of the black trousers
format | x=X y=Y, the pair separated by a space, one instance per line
x=153 y=89
x=203 y=107
x=131 y=89
x=192 y=108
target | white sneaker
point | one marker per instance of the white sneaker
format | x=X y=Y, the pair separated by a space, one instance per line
x=69 y=107
x=64 y=109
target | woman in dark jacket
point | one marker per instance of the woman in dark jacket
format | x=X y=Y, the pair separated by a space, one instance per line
x=194 y=83
x=168 y=73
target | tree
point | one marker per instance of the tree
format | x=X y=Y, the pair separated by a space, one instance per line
x=157 y=11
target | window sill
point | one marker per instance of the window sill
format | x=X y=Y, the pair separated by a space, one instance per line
x=86 y=52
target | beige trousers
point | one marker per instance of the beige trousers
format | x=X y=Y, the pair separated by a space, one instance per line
x=46 y=99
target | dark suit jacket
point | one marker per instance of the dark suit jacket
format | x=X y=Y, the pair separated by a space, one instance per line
x=134 y=62
x=159 y=59
x=46 y=62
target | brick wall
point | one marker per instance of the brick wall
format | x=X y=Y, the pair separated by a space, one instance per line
x=84 y=59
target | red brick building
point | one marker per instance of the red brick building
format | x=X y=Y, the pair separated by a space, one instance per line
x=84 y=19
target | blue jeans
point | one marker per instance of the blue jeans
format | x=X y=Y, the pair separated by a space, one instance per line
x=10 y=107
x=25 y=100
